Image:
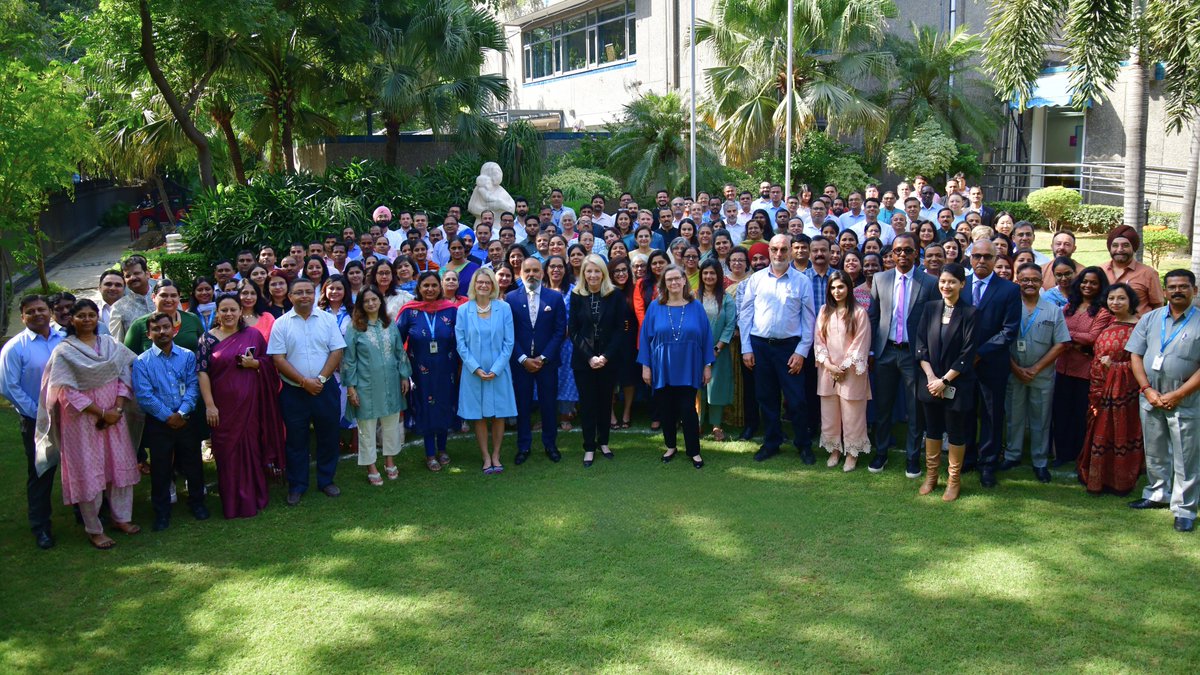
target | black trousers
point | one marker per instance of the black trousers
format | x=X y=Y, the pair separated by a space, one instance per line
x=989 y=410
x=595 y=404
x=37 y=488
x=171 y=448
x=1068 y=425
x=677 y=407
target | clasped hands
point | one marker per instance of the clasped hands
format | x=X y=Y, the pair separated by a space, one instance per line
x=1166 y=401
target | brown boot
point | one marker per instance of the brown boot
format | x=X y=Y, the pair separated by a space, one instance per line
x=933 y=459
x=955 y=471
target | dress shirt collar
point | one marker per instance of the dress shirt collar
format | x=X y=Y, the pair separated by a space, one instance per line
x=158 y=352
x=31 y=336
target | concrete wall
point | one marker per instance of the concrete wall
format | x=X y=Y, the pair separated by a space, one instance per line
x=1106 y=133
x=415 y=151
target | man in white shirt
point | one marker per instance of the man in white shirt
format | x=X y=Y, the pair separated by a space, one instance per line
x=854 y=215
x=746 y=208
x=112 y=289
x=306 y=346
x=600 y=219
x=1022 y=238
x=818 y=215
x=776 y=314
x=929 y=205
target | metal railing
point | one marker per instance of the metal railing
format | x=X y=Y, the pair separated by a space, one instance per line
x=1097 y=182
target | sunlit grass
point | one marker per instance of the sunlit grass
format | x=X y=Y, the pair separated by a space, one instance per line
x=629 y=566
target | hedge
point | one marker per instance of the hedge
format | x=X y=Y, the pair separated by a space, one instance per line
x=182 y=268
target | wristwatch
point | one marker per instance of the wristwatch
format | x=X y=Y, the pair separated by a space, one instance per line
x=322 y=379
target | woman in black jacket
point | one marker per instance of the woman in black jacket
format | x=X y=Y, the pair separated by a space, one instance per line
x=596 y=327
x=946 y=381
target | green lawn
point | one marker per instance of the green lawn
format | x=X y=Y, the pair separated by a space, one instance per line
x=1092 y=249
x=631 y=565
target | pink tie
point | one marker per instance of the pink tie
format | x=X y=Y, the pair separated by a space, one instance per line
x=901 y=304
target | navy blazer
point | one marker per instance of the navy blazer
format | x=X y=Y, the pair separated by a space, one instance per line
x=544 y=339
x=997 y=320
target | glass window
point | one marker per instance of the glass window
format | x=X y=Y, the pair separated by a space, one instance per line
x=575 y=45
x=612 y=41
x=632 y=23
x=590 y=39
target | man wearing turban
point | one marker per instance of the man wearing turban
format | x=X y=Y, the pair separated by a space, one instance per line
x=1123 y=242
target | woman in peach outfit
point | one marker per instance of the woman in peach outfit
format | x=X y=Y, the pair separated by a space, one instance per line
x=843 y=337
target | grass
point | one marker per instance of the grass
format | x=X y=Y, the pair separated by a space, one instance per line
x=631 y=565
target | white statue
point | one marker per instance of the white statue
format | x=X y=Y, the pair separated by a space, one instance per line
x=488 y=194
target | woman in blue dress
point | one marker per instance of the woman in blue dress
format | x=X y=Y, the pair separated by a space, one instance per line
x=484 y=336
x=427 y=326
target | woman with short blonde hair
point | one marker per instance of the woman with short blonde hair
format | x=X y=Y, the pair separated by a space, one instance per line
x=597 y=329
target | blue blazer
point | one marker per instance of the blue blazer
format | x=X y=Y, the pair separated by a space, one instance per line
x=544 y=339
x=997 y=320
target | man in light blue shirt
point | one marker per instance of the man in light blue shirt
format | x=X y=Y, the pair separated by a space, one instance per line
x=452 y=229
x=167 y=387
x=306 y=346
x=854 y=215
x=22 y=362
x=557 y=209
x=776 y=314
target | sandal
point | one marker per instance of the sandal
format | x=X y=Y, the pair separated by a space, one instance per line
x=375 y=479
x=393 y=472
x=625 y=423
x=497 y=468
x=718 y=435
x=101 y=541
x=432 y=464
x=127 y=528
x=443 y=458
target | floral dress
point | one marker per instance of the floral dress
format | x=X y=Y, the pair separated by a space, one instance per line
x=434 y=397
x=1113 y=453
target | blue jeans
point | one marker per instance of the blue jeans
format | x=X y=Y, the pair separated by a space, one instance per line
x=323 y=411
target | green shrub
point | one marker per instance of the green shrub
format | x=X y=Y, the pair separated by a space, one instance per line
x=580 y=184
x=741 y=180
x=1093 y=218
x=966 y=161
x=1053 y=203
x=847 y=174
x=927 y=152
x=1163 y=219
x=1020 y=211
x=1159 y=241
x=182 y=268
x=520 y=155
x=117 y=215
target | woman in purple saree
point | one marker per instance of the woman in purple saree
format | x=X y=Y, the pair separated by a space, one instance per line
x=240 y=388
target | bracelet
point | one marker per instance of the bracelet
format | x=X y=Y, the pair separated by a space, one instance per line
x=1143 y=389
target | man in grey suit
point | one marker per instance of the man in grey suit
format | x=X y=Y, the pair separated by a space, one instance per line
x=897 y=297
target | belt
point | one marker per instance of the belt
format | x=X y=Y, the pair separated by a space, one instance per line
x=778 y=341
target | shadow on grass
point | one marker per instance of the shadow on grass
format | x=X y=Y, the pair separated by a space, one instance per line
x=629 y=565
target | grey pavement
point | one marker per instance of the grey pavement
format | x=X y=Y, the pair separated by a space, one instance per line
x=80 y=272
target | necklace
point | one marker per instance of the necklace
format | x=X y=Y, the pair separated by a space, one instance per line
x=485 y=309
x=676 y=331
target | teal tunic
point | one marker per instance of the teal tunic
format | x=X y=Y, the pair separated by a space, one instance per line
x=375 y=364
x=721 y=322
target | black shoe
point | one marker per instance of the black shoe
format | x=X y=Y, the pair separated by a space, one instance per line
x=161 y=523
x=697 y=462
x=878 y=462
x=1185 y=524
x=608 y=454
x=764 y=453
x=806 y=456
x=667 y=457
x=748 y=433
x=587 y=462
x=912 y=467
x=969 y=465
x=1042 y=474
x=1011 y=464
x=293 y=498
x=1061 y=462
x=1147 y=504
x=553 y=454
x=987 y=477
x=522 y=455
x=331 y=490
x=200 y=512
x=44 y=539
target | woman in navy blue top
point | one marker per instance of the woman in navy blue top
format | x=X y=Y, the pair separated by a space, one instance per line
x=676 y=353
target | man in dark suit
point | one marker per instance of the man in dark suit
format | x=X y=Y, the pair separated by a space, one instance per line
x=997 y=317
x=539 y=327
x=897 y=297
x=986 y=213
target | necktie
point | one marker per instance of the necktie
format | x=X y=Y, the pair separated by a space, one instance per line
x=978 y=291
x=533 y=308
x=901 y=305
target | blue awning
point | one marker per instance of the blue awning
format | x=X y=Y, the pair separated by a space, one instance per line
x=1052 y=89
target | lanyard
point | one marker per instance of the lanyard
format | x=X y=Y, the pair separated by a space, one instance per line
x=429 y=321
x=1025 y=326
x=1166 y=341
x=206 y=323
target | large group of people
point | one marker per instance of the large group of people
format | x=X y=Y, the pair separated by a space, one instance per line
x=840 y=315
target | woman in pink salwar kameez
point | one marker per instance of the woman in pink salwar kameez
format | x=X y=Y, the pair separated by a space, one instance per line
x=86 y=397
x=841 y=343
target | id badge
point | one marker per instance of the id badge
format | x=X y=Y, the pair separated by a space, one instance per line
x=182 y=390
x=1157 y=364
x=1021 y=346
x=432 y=347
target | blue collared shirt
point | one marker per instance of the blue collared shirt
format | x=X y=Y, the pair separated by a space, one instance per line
x=22 y=362
x=557 y=214
x=165 y=384
x=819 y=283
x=777 y=307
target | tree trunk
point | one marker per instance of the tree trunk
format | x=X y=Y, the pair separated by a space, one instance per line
x=149 y=55
x=40 y=258
x=1187 y=216
x=224 y=119
x=165 y=199
x=391 y=150
x=1137 y=101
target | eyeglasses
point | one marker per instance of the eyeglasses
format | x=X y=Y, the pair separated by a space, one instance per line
x=982 y=256
x=691 y=257
x=1063 y=275
x=903 y=250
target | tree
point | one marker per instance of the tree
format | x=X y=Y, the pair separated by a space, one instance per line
x=835 y=47
x=934 y=79
x=431 y=52
x=651 y=149
x=1099 y=38
x=44 y=135
x=927 y=152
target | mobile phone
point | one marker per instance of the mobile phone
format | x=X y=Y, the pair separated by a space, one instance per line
x=250 y=352
x=948 y=393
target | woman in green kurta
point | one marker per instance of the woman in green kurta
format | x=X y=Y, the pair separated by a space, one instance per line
x=188 y=327
x=722 y=319
x=375 y=372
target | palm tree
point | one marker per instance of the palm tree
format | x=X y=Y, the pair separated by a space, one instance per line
x=1098 y=38
x=835 y=46
x=432 y=52
x=651 y=150
x=933 y=79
